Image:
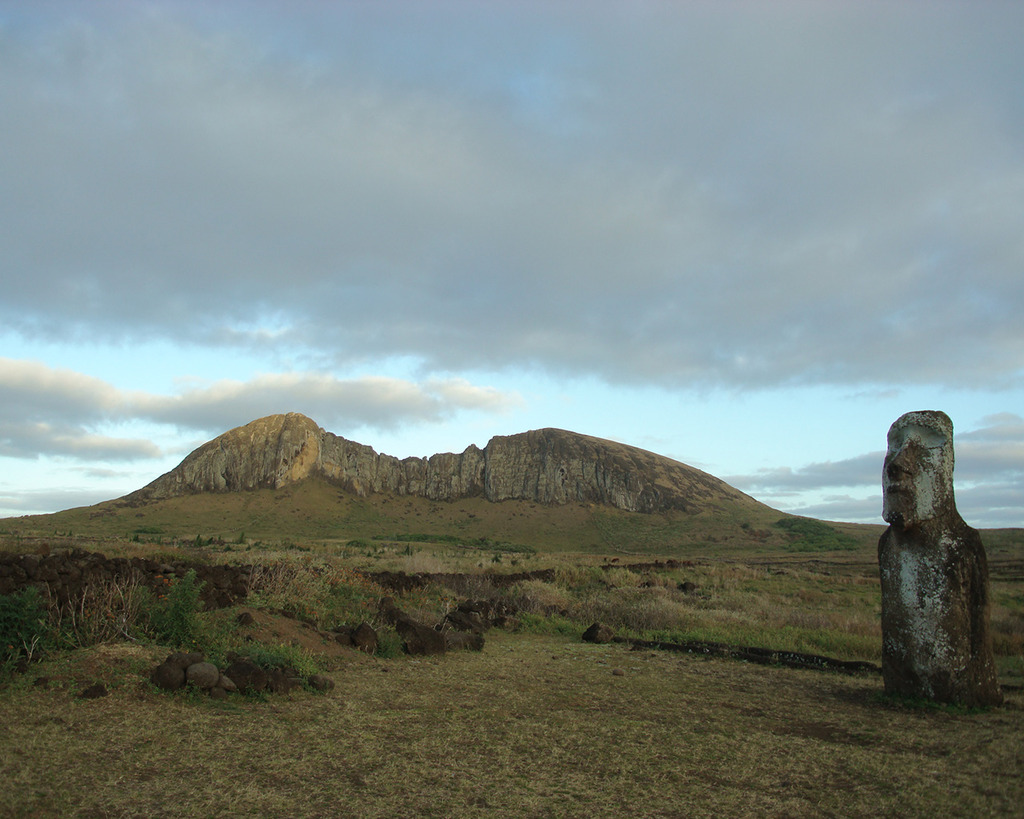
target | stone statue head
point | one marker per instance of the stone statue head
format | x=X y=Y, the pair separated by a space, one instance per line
x=917 y=477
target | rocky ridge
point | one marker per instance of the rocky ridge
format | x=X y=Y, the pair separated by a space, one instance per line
x=546 y=466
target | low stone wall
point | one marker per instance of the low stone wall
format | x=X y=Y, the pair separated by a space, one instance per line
x=67 y=574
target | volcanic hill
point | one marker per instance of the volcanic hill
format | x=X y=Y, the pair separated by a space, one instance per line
x=546 y=466
x=283 y=479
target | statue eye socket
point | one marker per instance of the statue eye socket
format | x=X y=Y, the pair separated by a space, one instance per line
x=923 y=436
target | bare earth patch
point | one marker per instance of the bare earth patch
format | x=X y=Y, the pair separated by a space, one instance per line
x=268 y=628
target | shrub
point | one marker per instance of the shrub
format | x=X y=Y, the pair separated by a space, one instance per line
x=389 y=644
x=540 y=597
x=318 y=592
x=174 y=616
x=23 y=626
x=104 y=610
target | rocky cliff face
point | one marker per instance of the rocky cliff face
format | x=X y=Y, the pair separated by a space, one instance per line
x=548 y=466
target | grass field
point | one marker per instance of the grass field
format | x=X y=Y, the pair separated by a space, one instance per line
x=539 y=723
x=531 y=726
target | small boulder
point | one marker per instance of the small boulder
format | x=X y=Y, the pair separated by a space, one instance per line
x=598 y=633
x=246 y=675
x=364 y=637
x=184 y=659
x=168 y=676
x=280 y=681
x=320 y=682
x=466 y=621
x=94 y=691
x=227 y=684
x=419 y=639
x=203 y=675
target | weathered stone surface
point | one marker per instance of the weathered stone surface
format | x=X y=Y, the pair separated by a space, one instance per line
x=246 y=675
x=549 y=466
x=202 y=675
x=281 y=681
x=934 y=575
x=183 y=659
x=93 y=692
x=68 y=574
x=419 y=639
x=364 y=637
x=168 y=676
x=321 y=682
x=466 y=621
x=598 y=633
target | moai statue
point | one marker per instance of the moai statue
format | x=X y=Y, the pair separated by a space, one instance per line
x=935 y=609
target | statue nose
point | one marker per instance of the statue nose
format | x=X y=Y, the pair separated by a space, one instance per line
x=895 y=470
x=899 y=464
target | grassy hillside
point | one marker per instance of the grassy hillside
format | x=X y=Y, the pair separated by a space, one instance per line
x=317 y=511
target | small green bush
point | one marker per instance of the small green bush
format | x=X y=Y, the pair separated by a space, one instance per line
x=24 y=628
x=389 y=644
x=174 y=617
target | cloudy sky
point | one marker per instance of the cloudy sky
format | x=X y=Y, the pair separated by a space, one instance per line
x=744 y=235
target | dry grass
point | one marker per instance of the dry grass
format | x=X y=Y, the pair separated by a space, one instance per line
x=535 y=725
x=532 y=726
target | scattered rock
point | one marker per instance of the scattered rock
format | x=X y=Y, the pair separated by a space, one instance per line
x=463 y=640
x=280 y=681
x=364 y=637
x=247 y=676
x=202 y=675
x=320 y=682
x=420 y=640
x=466 y=620
x=168 y=676
x=94 y=691
x=598 y=633
x=343 y=636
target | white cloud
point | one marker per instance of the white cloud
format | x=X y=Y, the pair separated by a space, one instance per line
x=56 y=412
x=793 y=197
x=988 y=476
x=691 y=198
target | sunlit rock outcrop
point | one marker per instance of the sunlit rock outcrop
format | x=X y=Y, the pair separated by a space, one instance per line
x=547 y=466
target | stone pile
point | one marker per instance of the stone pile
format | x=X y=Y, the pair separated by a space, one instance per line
x=461 y=629
x=67 y=574
x=241 y=674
